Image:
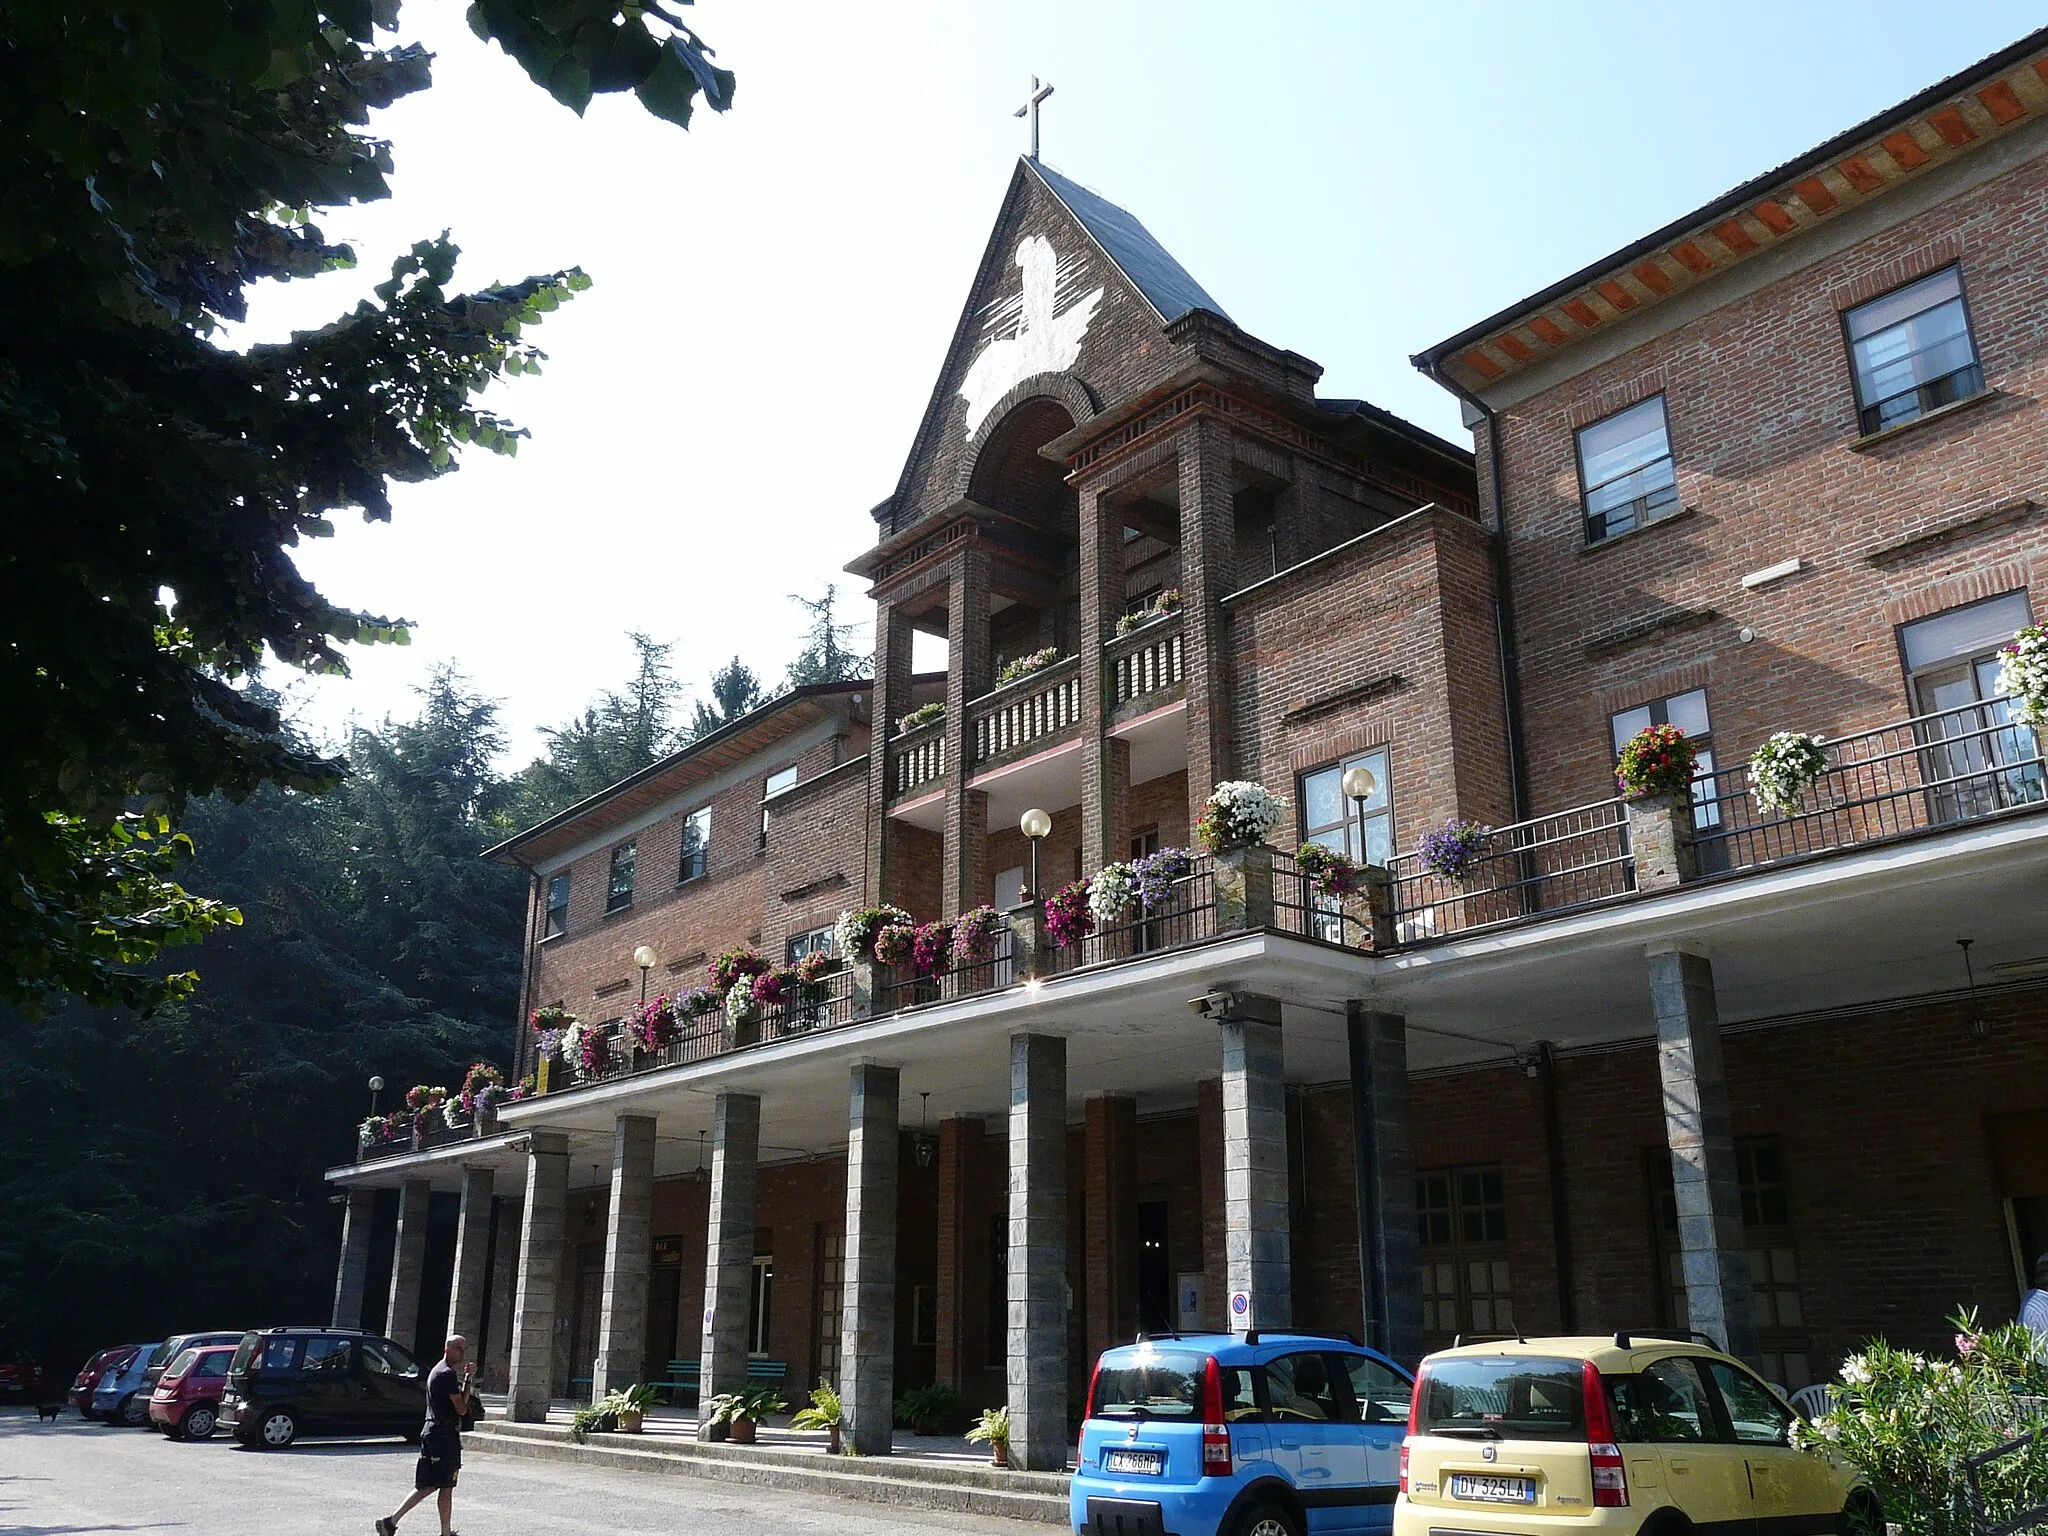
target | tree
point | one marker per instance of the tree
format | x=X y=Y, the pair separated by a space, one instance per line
x=156 y=158
x=617 y=735
x=826 y=656
x=734 y=690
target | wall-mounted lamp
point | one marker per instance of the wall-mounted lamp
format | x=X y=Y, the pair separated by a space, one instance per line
x=1035 y=824
x=925 y=1144
x=1980 y=1026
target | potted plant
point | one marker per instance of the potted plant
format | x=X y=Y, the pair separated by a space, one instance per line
x=1332 y=873
x=634 y=1401
x=826 y=1412
x=1067 y=918
x=2023 y=675
x=855 y=933
x=992 y=1429
x=1024 y=666
x=895 y=943
x=740 y=1412
x=974 y=936
x=1784 y=768
x=736 y=966
x=931 y=947
x=1454 y=849
x=926 y=1408
x=1161 y=605
x=1156 y=874
x=924 y=714
x=1238 y=814
x=1657 y=762
x=1110 y=895
x=623 y=1409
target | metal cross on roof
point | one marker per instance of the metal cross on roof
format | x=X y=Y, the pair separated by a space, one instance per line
x=1030 y=110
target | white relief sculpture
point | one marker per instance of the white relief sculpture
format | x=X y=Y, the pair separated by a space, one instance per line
x=1026 y=335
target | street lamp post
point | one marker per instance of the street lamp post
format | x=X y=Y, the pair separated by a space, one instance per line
x=1360 y=785
x=376 y=1087
x=1034 y=825
x=647 y=960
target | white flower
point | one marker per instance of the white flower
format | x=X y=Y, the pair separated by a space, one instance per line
x=2023 y=674
x=1244 y=813
x=1110 y=894
x=1781 y=769
x=1856 y=1371
x=739 y=1003
x=451 y=1112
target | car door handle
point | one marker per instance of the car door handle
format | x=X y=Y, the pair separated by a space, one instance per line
x=1678 y=1464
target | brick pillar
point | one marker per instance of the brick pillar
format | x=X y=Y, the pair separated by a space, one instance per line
x=1700 y=1129
x=967 y=677
x=729 y=1246
x=1215 y=1258
x=1383 y=1182
x=408 y=1265
x=628 y=1257
x=867 y=1355
x=1038 y=1253
x=1255 y=1214
x=472 y=1261
x=1208 y=558
x=891 y=698
x=542 y=1234
x=496 y=1371
x=1105 y=762
x=1109 y=1142
x=352 y=1277
x=958 y=1141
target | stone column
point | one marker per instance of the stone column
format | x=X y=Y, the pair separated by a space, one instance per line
x=1660 y=841
x=542 y=1231
x=472 y=1261
x=1105 y=761
x=628 y=1257
x=1109 y=1139
x=353 y=1276
x=967 y=677
x=1038 y=1253
x=890 y=698
x=867 y=1349
x=1383 y=1182
x=958 y=1141
x=408 y=1265
x=1257 y=1257
x=1208 y=560
x=729 y=1246
x=496 y=1370
x=1700 y=1129
x=1215 y=1255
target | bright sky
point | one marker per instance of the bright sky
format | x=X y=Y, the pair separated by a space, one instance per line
x=775 y=289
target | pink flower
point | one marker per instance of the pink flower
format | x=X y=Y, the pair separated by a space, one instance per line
x=1966 y=1344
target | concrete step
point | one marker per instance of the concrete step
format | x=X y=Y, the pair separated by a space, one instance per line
x=1035 y=1496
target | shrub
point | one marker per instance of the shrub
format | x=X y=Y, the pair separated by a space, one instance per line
x=935 y=1405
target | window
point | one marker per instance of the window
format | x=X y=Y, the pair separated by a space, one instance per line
x=760 y=1304
x=1687 y=711
x=1911 y=351
x=619 y=890
x=1327 y=817
x=1978 y=761
x=1756 y=1415
x=831 y=1288
x=1666 y=1403
x=813 y=941
x=779 y=781
x=696 y=856
x=1625 y=470
x=1379 y=1395
x=557 y=922
x=383 y=1358
x=1467 y=1286
x=326 y=1353
x=215 y=1364
x=279 y=1354
x=1300 y=1387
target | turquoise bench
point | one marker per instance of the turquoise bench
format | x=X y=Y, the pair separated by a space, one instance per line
x=687 y=1376
x=681 y=1375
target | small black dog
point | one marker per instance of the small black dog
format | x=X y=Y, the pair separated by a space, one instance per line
x=48 y=1413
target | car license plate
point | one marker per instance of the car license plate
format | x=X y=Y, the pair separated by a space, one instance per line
x=1494 y=1490
x=1146 y=1463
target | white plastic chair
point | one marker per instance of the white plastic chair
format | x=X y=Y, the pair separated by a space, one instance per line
x=1811 y=1402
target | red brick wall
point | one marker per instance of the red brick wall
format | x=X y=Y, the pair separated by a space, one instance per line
x=813 y=868
x=1762 y=414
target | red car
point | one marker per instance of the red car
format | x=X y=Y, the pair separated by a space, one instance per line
x=88 y=1377
x=186 y=1403
x=20 y=1376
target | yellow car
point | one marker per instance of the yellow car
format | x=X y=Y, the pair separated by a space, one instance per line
x=1548 y=1437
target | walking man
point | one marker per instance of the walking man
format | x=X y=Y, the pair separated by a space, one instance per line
x=441 y=1441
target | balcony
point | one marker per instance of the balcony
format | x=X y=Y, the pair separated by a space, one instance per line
x=1146 y=666
x=917 y=759
x=1033 y=712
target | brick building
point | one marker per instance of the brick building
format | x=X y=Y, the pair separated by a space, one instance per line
x=1687 y=1062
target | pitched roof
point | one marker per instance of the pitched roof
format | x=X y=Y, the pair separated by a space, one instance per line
x=1164 y=282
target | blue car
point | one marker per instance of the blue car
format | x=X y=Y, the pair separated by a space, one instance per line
x=119 y=1398
x=1254 y=1434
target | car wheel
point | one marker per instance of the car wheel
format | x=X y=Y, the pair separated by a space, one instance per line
x=199 y=1422
x=277 y=1430
x=1863 y=1515
x=1267 y=1520
x=129 y=1414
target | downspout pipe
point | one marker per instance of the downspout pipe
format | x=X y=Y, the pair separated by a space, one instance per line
x=1505 y=645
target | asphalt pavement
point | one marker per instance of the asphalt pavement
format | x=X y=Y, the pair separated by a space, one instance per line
x=73 y=1477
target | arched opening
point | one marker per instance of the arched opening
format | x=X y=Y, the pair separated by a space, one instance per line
x=1011 y=476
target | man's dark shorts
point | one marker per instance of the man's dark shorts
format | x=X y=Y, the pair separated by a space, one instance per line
x=440 y=1459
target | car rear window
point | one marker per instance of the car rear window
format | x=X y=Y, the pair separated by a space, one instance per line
x=1506 y=1398
x=245 y=1352
x=183 y=1363
x=213 y=1363
x=1151 y=1384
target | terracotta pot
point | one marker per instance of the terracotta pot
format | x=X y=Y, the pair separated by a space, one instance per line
x=832 y=1445
x=999 y=1453
x=742 y=1431
x=630 y=1420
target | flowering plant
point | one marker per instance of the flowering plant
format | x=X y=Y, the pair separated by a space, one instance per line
x=481 y=1075
x=551 y=1016
x=384 y=1128
x=740 y=1005
x=494 y=1096
x=1111 y=893
x=1453 y=850
x=1067 y=918
x=527 y=1087
x=423 y=1098
x=1024 y=666
x=924 y=714
x=653 y=1024
x=1907 y=1422
x=1161 y=605
x=2023 y=675
x=974 y=935
x=1781 y=770
x=736 y=965
x=1155 y=875
x=695 y=1002
x=1332 y=872
x=1658 y=760
x=776 y=986
x=1239 y=814
x=587 y=1048
x=550 y=1044
x=894 y=943
x=816 y=966
x=455 y=1112
x=854 y=934
x=931 y=946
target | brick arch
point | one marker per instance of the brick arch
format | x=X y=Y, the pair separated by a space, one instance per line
x=999 y=432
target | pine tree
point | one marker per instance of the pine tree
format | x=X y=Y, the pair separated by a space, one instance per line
x=734 y=691
x=827 y=656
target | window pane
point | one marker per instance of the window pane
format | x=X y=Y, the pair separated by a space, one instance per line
x=1964 y=631
x=1628 y=725
x=1688 y=711
x=1758 y=1418
x=621 y=891
x=1626 y=441
x=1299 y=1387
x=1879 y=314
x=1379 y=1395
x=1666 y=1403
x=1322 y=798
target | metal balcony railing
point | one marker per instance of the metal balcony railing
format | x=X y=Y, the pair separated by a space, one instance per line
x=1543 y=865
x=1187 y=916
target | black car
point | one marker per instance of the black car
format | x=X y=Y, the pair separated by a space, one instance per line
x=287 y=1382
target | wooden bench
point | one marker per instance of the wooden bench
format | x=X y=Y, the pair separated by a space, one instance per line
x=686 y=1376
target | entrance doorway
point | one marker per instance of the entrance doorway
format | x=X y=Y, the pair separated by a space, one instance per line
x=1156 y=1312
